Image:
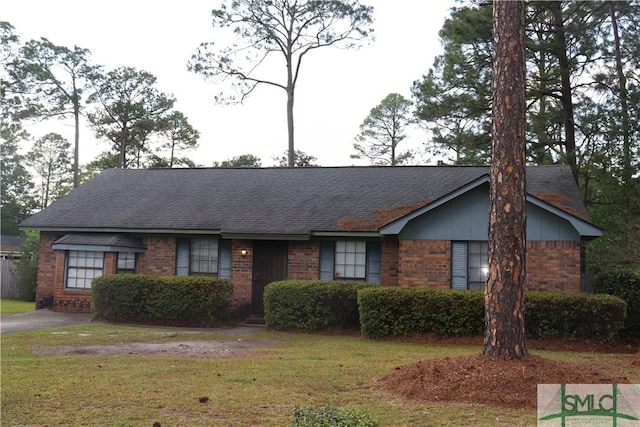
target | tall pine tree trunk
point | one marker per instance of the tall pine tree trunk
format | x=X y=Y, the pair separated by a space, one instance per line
x=627 y=168
x=504 y=290
x=566 y=97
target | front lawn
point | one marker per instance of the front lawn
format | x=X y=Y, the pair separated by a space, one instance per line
x=9 y=307
x=260 y=386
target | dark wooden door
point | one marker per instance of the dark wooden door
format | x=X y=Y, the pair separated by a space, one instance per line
x=269 y=265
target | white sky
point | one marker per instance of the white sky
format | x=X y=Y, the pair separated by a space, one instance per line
x=335 y=91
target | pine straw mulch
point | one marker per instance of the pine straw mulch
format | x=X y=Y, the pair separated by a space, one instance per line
x=479 y=379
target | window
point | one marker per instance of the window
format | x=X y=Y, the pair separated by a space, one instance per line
x=202 y=256
x=126 y=263
x=469 y=264
x=82 y=267
x=350 y=260
x=478 y=264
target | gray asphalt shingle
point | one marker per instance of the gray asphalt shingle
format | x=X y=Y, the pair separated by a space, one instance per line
x=271 y=200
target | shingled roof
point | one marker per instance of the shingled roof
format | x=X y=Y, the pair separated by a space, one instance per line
x=273 y=201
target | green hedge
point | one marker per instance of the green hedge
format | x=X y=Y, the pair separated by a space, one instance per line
x=312 y=304
x=625 y=284
x=167 y=300
x=552 y=314
x=406 y=311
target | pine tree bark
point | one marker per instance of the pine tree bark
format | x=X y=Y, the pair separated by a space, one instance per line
x=504 y=290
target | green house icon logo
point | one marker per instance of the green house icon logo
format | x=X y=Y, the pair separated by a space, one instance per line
x=593 y=404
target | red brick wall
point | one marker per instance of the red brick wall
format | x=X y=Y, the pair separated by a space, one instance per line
x=550 y=266
x=389 y=262
x=553 y=266
x=241 y=274
x=303 y=260
x=160 y=257
x=424 y=263
x=46 y=280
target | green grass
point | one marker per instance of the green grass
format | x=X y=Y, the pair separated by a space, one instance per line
x=261 y=388
x=9 y=307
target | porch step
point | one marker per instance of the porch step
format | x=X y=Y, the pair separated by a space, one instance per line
x=255 y=320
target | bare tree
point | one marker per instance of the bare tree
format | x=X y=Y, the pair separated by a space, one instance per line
x=290 y=28
x=504 y=290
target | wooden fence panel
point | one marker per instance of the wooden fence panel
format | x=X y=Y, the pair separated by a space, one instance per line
x=9 y=280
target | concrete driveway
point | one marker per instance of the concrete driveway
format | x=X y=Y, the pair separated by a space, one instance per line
x=40 y=319
x=45 y=318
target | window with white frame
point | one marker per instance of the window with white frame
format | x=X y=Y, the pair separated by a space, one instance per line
x=351 y=259
x=203 y=257
x=82 y=268
x=126 y=263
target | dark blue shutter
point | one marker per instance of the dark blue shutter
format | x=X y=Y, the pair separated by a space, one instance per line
x=374 y=262
x=182 y=257
x=327 y=256
x=459 y=265
x=224 y=259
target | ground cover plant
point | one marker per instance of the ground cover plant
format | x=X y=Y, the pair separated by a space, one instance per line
x=9 y=307
x=218 y=377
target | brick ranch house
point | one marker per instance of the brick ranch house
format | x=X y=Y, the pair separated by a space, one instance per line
x=407 y=226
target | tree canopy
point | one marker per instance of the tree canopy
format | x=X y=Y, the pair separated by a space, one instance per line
x=383 y=130
x=582 y=75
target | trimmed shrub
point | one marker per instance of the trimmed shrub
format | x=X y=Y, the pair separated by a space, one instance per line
x=312 y=304
x=403 y=311
x=407 y=311
x=331 y=417
x=553 y=314
x=625 y=284
x=167 y=300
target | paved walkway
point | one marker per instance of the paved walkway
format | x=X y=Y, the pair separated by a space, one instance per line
x=45 y=318
x=40 y=319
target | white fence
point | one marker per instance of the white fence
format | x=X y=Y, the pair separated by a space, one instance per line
x=9 y=280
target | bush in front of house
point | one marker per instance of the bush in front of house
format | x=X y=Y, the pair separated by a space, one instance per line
x=312 y=304
x=331 y=417
x=625 y=284
x=553 y=314
x=402 y=311
x=163 y=300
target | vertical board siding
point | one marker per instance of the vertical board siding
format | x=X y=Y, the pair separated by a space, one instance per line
x=9 y=280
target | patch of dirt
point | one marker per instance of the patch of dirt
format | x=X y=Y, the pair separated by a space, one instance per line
x=180 y=348
x=480 y=379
